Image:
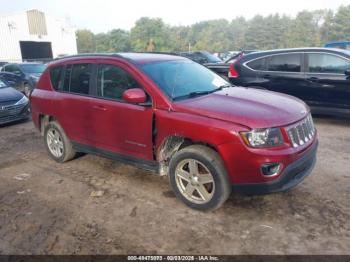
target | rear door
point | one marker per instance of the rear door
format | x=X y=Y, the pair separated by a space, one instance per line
x=327 y=80
x=284 y=73
x=72 y=102
x=118 y=126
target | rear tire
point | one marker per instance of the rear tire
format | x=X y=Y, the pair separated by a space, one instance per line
x=198 y=178
x=57 y=143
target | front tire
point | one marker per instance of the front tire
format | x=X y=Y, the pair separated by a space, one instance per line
x=57 y=143
x=198 y=178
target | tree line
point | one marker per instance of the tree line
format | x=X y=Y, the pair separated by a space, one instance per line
x=307 y=29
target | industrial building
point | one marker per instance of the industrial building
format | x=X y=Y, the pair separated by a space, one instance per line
x=34 y=36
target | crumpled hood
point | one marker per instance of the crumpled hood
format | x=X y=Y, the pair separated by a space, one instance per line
x=250 y=107
x=9 y=94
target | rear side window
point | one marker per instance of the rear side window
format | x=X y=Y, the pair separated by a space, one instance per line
x=285 y=63
x=258 y=64
x=112 y=81
x=56 y=75
x=327 y=63
x=77 y=78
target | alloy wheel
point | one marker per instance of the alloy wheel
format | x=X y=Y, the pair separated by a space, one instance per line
x=194 y=181
x=55 y=142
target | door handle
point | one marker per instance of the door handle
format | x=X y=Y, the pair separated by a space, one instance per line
x=267 y=76
x=100 y=108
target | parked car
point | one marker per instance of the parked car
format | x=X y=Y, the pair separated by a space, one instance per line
x=226 y=55
x=13 y=80
x=201 y=57
x=173 y=116
x=318 y=76
x=222 y=68
x=14 y=106
x=29 y=73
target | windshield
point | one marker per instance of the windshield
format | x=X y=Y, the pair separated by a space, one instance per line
x=2 y=84
x=181 y=79
x=33 y=68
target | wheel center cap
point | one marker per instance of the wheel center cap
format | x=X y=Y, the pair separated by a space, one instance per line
x=195 y=180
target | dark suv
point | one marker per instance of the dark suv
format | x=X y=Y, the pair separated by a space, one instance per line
x=176 y=117
x=318 y=76
x=27 y=74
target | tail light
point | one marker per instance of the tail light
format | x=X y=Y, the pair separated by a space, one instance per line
x=232 y=72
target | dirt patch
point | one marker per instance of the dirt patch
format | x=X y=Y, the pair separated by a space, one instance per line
x=52 y=210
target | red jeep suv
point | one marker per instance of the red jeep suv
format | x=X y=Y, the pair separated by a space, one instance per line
x=171 y=115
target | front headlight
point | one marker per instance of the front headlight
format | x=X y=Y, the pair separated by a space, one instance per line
x=22 y=101
x=268 y=137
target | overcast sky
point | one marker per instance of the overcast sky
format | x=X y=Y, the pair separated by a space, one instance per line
x=104 y=15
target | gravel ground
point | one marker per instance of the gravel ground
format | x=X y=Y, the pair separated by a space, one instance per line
x=47 y=208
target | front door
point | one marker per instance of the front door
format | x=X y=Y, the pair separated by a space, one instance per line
x=120 y=127
x=327 y=80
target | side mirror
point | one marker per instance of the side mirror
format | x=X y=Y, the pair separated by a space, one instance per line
x=347 y=72
x=134 y=96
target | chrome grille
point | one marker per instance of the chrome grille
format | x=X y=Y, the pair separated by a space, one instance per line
x=11 y=110
x=301 y=132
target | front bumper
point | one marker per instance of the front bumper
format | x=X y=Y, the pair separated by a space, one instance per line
x=13 y=114
x=292 y=175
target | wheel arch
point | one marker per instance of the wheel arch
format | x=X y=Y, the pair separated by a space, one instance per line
x=44 y=120
x=173 y=143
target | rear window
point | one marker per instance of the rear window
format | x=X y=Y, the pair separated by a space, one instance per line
x=55 y=75
x=285 y=63
x=77 y=78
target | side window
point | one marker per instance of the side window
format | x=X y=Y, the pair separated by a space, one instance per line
x=258 y=64
x=8 y=68
x=77 y=78
x=55 y=75
x=15 y=69
x=285 y=63
x=327 y=63
x=112 y=81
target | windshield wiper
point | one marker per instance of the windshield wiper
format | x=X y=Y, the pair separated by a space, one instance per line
x=200 y=93
x=226 y=86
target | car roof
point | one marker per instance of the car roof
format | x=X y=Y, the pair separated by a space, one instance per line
x=24 y=63
x=296 y=50
x=135 y=58
x=143 y=58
